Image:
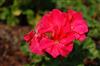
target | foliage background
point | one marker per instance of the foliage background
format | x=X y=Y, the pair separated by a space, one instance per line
x=28 y=12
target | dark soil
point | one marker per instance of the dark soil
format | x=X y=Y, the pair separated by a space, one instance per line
x=10 y=38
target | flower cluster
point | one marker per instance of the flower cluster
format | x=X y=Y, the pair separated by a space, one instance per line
x=55 y=33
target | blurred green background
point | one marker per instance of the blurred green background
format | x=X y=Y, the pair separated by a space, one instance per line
x=17 y=17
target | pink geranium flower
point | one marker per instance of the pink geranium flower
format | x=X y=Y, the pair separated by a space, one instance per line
x=56 y=32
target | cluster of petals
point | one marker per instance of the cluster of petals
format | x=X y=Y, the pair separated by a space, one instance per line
x=55 y=32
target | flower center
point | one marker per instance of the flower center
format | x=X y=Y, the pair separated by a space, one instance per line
x=49 y=35
x=56 y=42
x=52 y=38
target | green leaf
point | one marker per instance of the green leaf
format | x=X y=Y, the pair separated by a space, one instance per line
x=26 y=64
x=12 y=21
x=30 y=16
x=24 y=48
x=80 y=65
x=91 y=47
x=92 y=10
x=1 y=2
x=4 y=13
x=88 y=44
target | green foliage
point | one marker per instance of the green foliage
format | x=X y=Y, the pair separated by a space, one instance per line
x=91 y=47
x=11 y=12
x=2 y=1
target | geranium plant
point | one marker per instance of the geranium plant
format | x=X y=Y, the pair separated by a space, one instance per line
x=55 y=32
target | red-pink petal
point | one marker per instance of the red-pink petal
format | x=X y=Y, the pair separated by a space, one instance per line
x=35 y=47
x=45 y=43
x=82 y=37
x=69 y=38
x=79 y=26
x=29 y=36
x=65 y=50
x=53 y=51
